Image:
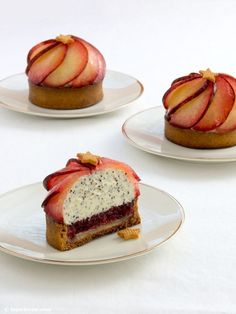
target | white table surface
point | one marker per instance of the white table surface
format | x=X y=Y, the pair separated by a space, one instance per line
x=155 y=41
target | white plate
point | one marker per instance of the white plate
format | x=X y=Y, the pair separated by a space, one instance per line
x=22 y=229
x=119 y=90
x=145 y=130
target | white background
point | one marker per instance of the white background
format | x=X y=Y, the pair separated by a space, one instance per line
x=154 y=41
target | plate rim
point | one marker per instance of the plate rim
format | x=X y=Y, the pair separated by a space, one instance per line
x=100 y=261
x=69 y=115
x=169 y=155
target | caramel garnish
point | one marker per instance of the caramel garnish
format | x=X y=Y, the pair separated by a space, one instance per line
x=208 y=74
x=129 y=233
x=88 y=158
x=65 y=39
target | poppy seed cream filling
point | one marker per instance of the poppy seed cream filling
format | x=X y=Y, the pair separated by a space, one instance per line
x=97 y=193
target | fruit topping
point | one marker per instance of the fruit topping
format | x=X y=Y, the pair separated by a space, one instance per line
x=204 y=102
x=183 y=92
x=219 y=108
x=45 y=62
x=230 y=122
x=66 y=61
x=190 y=113
x=73 y=64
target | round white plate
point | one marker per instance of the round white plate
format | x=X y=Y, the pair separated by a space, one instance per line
x=119 y=90
x=145 y=130
x=22 y=229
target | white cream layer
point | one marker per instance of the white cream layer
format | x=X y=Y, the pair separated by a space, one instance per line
x=96 y=193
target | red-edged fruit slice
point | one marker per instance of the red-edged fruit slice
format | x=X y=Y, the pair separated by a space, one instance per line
x=183 y=92
x=90 y=72
x=42 y=52
x=73 y=162
x=101 y=68
x=185 y=78
x=52 y=179
x=73 y=64
x=230 y=122
x=53 y=203
x=39 y=47
x=220 y=107
x=45 y=62
x=191 y=112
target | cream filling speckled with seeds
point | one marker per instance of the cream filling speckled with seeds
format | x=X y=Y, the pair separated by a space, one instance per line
x=96 y=193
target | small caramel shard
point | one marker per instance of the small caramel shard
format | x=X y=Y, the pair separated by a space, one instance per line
x=128 y=233
x=65 y=39
x=208 y=75
x=88 y=158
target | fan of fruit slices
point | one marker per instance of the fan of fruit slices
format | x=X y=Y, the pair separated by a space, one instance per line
x=66 y=60
x=203 y=101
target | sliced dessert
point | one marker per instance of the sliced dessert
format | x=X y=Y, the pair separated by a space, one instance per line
x=65 y=73
x=201 y=110
x=90 y=197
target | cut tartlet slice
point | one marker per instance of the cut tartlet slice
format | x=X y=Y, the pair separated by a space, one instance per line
x=65 y=73
x=90 y=197
x=201 y=116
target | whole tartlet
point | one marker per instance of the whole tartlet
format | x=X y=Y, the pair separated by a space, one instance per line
x=91 y=197
x=201 y=110
x=65 y=73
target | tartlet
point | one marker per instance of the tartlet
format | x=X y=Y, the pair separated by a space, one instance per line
x=65 y=73
x=91 y=197
x=201 y=110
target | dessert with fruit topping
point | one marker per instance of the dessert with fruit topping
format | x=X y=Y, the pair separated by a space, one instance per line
x=90 y=197
x=65 y=73
x=201 y=110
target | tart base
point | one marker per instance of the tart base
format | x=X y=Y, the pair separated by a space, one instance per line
x=196 y=139
x=57 y=237
x=65 y=97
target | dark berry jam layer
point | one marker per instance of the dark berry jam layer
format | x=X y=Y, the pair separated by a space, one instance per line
x=108 y=216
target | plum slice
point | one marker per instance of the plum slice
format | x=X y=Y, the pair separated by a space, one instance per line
x=220 y=107
x=230 y=122
x=73 y=64
x=45 y=62
x=52 y=179
x=191 y=112
x=38 y=48
x=182 y=92
x=90 y=72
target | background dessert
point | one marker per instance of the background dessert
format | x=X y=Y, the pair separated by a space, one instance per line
x=65 y=73
x=201 y=110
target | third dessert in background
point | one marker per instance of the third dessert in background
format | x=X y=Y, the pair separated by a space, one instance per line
x=65 y=73
x=90 y=197
x=201 y=110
